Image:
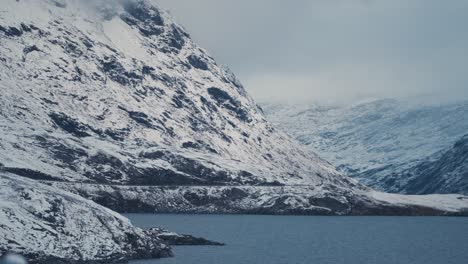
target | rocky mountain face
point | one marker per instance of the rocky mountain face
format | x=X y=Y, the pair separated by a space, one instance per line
x=119 y=94
x=448 y=173
x=379 y=142
x=113 y=101
x=52 y=226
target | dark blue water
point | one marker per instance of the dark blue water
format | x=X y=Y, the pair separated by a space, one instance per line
x=316 y=240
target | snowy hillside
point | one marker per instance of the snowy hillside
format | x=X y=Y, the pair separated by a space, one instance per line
x=112 y=100
x=375 y=139
x=120 y=94
x=448 y=173
x=51 y=226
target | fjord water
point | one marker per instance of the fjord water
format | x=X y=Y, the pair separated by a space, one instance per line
x=254 y=239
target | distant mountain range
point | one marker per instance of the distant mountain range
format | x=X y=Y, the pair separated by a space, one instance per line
x=390 y=145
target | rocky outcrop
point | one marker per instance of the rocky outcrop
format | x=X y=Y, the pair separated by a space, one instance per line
x=275 y=200
x=175 y=239
x=48 y=225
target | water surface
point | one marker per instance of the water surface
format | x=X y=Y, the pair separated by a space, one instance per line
x=320 y=240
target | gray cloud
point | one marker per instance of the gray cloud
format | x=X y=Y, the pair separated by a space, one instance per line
x=336 y=50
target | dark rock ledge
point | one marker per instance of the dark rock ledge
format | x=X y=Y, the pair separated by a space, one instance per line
x=175 y=239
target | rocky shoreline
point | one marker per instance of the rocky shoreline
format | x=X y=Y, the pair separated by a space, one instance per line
x=175 y=239
x=273 y=200
x=49 y=225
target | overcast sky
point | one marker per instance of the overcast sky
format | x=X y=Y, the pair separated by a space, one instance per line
x=335 y=50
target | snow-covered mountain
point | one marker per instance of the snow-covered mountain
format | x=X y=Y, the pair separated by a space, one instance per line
x=52 y=226
x=377 y=140
x=97 y=92
x=445 y=173
x=113 y=101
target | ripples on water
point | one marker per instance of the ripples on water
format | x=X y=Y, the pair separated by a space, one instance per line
x=316 y=240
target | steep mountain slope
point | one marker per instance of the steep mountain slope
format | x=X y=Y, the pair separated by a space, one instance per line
x=119 y=94
x=446 y=174
x=115 y=102
x=51 y=226
x=374 y=140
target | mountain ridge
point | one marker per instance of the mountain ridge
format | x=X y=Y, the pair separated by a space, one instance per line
x=153 y=89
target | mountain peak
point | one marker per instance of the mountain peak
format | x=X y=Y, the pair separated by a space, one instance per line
x=111 y=88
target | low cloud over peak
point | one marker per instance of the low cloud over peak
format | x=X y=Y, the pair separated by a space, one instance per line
x=335 y=50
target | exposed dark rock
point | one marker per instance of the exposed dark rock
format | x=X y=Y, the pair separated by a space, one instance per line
x=28 y=173
x=147 y=70
x=282 y=200
x=11 y=31
x=47 y=101
x=139 y=117
x=87 y=42
x=116 y=72
x=66 y=154
x=235 y=194
x=117 y=134
x=191 y=145
x=333 y=204
x=176 y=38
x=70 y=125
x=108 y=169
x=199 y=146
x=30 y=49
x=71 y=47
x=147 y=30
x=207 y=105
x=225 y=100
x=175 y=239
x=197 y=62
x=105 y=159
x=145 y=17
x=26 y=28
x=160 y=176
x=180 y=100
x=130 y=20
x=144 y=12
x=155 y=154
x=367 y=207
